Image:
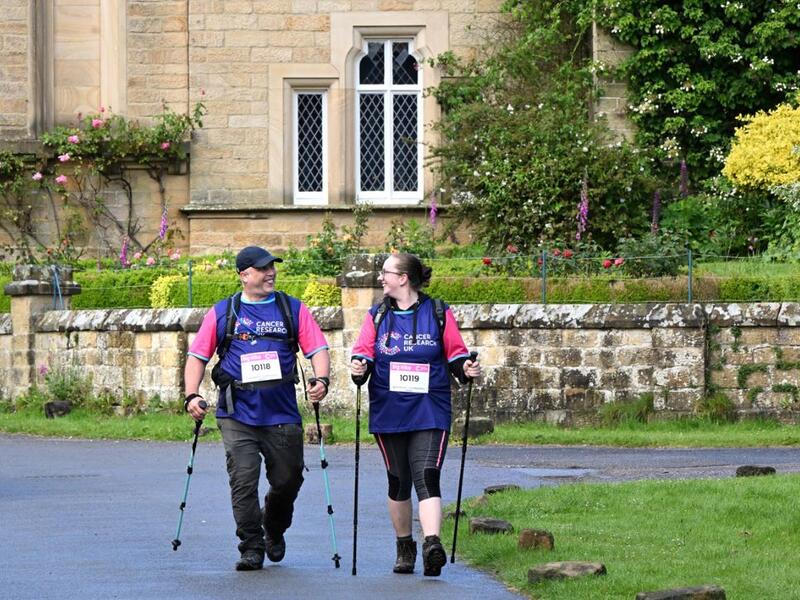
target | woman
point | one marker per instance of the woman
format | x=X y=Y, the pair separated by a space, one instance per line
x=410 y=344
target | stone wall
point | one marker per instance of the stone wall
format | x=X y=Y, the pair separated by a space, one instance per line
x=555 y=363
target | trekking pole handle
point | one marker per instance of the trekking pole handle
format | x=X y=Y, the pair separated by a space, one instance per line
x=473 y=356
x=202 y=404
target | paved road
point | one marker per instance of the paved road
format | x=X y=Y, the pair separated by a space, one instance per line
x=84 y=520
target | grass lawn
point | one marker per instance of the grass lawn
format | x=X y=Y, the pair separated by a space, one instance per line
x=739 y=533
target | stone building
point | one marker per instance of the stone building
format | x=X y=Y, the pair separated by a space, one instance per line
x=313 y=105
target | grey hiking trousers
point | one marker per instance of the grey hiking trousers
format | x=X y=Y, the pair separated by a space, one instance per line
x=281 y=447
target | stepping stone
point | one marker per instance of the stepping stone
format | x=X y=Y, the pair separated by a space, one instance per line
x=311 y=432
x=477 y=426
x=535 y=539
x=568 y=569
x=752 y=471
x=699 y=592
x=503 y=487
x=489 y=525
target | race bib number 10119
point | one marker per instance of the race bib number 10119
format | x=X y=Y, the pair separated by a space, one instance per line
x=409 y=377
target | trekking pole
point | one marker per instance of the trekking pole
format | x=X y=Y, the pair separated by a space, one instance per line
x=189 y=468
x=355 y=486
x=472 y=357
x=324 y=464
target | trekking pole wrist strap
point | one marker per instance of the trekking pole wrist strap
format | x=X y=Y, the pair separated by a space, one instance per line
x=326 y=381
x=188 y=399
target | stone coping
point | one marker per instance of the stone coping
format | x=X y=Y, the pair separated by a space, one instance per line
x=146 y=319
x=5 y=323
x=469 y=316
x=625 y=316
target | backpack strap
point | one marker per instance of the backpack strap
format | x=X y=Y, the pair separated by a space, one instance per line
x=439 y=309
x=233 y=308
x=380 y=313
x=286 y=313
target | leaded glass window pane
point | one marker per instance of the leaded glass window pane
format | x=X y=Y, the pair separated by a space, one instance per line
x=372 y=159
x=309 y=143
x=405 y=142
x=371 y=66
x=404 y=66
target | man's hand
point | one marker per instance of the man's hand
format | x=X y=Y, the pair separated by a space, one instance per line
x=197 y=410
x=317 y=388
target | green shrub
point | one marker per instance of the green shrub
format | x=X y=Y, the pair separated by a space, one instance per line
x=411 y=236
x=618 y=413
x=717 y=408
x=68 y=384
x=322 y=294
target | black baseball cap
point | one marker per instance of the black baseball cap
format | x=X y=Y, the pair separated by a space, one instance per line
x=254 y=256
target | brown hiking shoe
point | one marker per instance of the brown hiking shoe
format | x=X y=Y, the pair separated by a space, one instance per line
x=433 y=556
x=406 y=556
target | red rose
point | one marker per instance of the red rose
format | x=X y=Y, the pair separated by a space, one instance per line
x=512 y=248
x=607 y=264
x=567 y=253
x=487 y=260
x=556 y=252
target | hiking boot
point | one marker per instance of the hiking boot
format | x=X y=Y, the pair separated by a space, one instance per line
x=276 y=547
x=252 y=560
x=433 y=556
x=406 y=556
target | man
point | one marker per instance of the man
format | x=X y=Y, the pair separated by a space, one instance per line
x=256 y=336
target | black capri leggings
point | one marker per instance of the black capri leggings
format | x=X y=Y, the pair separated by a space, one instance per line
x=413 y=457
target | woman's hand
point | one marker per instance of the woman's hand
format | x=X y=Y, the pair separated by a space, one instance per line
x=358 y=367
x=472 y=368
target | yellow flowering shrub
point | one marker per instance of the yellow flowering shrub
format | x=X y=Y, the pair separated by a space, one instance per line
x=766 y=150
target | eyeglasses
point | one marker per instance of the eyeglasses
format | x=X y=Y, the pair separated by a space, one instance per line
x=383 y=272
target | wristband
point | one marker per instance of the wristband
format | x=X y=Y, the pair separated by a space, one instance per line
x=324 y=380
x=188 y=399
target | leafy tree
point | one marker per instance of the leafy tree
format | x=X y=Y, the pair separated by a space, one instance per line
x=518 y=142
x=698 y=64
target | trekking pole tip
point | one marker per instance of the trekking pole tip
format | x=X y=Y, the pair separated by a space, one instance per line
x=175 y=543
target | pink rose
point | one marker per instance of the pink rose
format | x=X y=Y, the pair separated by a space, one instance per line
x=64 y=157
x=556 y=252
x=73 y=139
x=61 y=179
x=37 y=176
x=175 y=255
x=619 y=262
x=165 y=145
x=512 y=249
x=98 y=123
x=150 y=261
x=137 y=255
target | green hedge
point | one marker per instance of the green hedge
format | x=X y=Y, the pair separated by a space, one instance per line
x=209 y=288
x=129 y=288
x=164 y=287
x=5 y=301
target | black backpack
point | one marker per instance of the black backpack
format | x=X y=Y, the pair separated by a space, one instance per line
x=438 y=307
